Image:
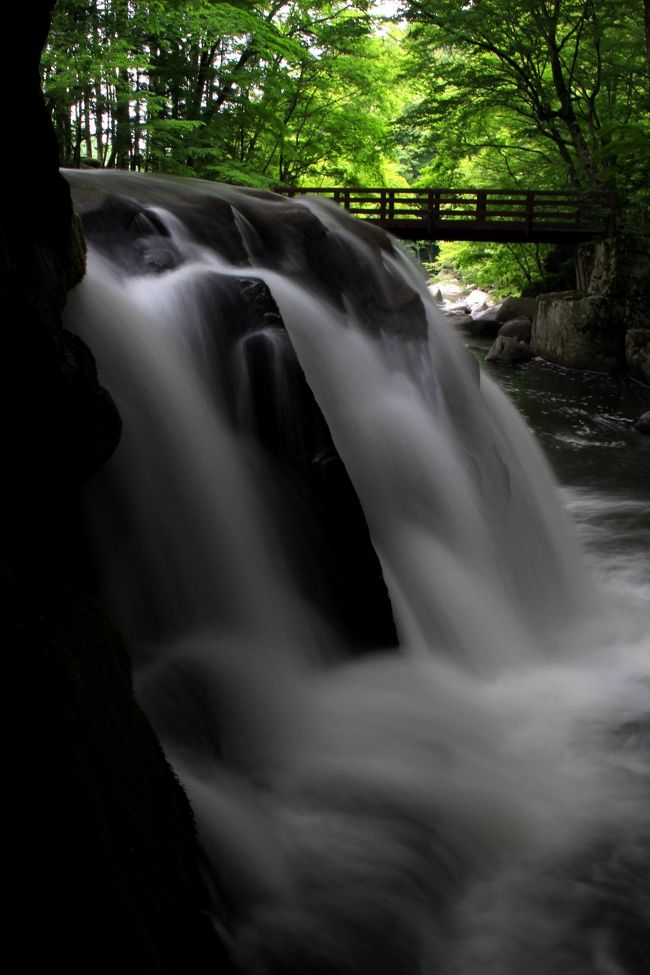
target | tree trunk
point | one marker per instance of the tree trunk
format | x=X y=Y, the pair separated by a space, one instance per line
x=88 y=139
x=121 y=153
x=646 y=18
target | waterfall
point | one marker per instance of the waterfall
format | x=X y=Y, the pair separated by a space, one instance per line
x=363 y=630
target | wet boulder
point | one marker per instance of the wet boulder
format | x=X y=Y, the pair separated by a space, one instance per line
x=509 y=350
x=477 y=301
x=485 y=322
x=516 y=308
x=517 y=328
x=637 y=353
x=643 y=423
x=133 y=234
x=462 y=323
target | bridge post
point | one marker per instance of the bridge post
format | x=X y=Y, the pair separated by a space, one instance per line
x=530 y=210
x=481 y=207
x=433 y=211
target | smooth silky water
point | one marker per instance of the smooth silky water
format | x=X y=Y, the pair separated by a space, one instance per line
x=472 y=800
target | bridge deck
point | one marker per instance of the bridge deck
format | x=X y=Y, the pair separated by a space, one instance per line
x=525 y=216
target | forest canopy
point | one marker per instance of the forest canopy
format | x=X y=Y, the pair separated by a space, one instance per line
x=543 y=94
x=264 y=93
x=553 y=91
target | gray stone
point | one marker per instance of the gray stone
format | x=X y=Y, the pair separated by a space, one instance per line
x=460 y=306
x=581 y=331
x=517 y=328
x=637 y=353
x=621 y=267
x=485 y=322
x=477 y=297
x=450 y=289
x=510 y=350
x=517 y=308
x=585 y=257
x=643 y=423
x=477 y=301
x=605 y=326
x=489 y=316
x=462 y=323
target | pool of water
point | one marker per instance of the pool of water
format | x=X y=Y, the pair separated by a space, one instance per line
x=585 y=424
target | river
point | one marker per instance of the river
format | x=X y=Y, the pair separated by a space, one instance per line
x=585 y=424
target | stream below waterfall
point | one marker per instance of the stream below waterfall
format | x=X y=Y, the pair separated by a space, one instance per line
x=473 y=801
x=585 y=423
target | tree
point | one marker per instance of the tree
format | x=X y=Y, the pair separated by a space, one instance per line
x=261 y=91
x=554 y=86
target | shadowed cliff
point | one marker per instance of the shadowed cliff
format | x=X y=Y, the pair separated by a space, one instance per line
x=103 y=862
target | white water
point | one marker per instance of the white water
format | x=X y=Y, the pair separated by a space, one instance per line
x=474 y=801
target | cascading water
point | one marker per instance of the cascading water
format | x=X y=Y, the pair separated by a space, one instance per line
x=471 y=800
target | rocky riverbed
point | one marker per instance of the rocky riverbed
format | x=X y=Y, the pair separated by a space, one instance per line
x=503 y=332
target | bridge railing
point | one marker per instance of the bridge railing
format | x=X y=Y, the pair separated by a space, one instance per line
x=439 y=211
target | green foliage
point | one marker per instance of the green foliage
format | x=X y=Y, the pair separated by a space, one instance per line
x=502 y=268
x=535 y=94
x=558 y=91
x=253 y=91
x=317 y=92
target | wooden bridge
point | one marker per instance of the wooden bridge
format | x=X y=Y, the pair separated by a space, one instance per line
x=524 y=216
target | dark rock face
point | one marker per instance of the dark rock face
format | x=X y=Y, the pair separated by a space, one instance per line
x=58 y=424
x=137 y=236
x=102 y=854
x=326 y=514
x=249 y=358
x=278 y=233
x=88 y=412
x=98 y=829
x=621 y=266
x=637 y=353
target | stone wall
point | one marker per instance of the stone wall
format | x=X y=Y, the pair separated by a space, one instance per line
x=606 y=326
